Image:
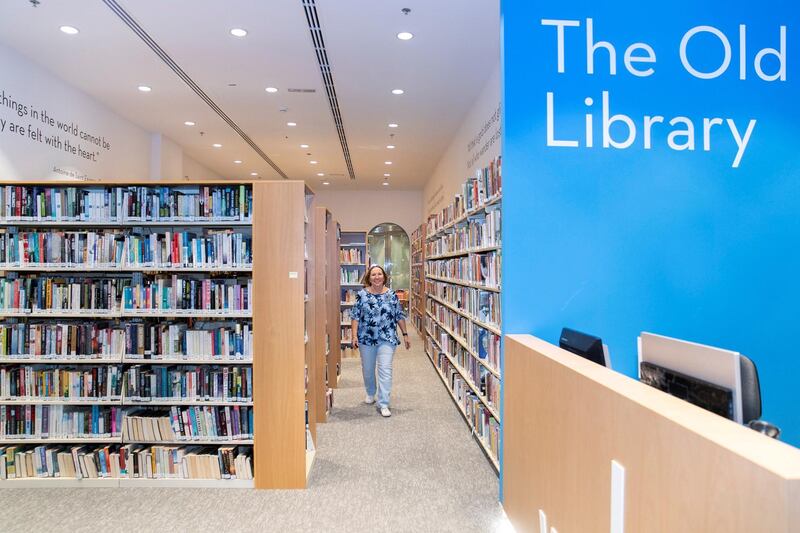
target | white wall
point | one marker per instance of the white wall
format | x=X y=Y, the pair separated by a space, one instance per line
x=363 y=210
x=194 y=170
x=39 y=93
x=474 y=146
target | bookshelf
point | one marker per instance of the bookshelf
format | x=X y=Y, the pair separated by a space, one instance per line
x=326 y=316
x=332 y=274
x=354 y=259
x=134 y=308
x=417 y=305
x=460 y=310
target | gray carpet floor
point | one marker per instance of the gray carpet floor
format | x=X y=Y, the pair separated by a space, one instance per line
x=419 y=470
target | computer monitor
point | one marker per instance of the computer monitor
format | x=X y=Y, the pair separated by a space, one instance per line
x=587 y=346
x=694 y=372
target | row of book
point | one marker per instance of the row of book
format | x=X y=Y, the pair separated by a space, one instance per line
x=202 y=383
x=175 y=292
x=485 y=425
x=164 y=293
x=350 y=276
x=483 y=269
x=35 y=382
x=483 y=381
x=481 y=305
x=349 y=296
x=351 y=255
x=131 y=461
x=480 y=341
x=344 y=316
x=458 y=325
x=477 y=191
x=59 y=421
x=124 y=249
x=125 y=203
x=154 y=341
x=189 y=423
x=480 y=231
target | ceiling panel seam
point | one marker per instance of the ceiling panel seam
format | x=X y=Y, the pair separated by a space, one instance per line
x=153 y=45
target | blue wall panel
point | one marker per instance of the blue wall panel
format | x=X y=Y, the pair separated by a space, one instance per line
x=618 y=241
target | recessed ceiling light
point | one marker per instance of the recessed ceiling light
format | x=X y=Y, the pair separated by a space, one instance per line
x=69 y=30
x=392 y=125
x=390 y=146
x=387 y=162
x=238 y=32
x=216 y=145
x=320 y=173
x=188 y=123
x=303 y=146
x=405 y=36
x=291 y=123
x=397 y=91
x=271 y=89
x=386 y=175
x=238 y=161
x=385 y=183
x=313 y=162
x=326 y=182
x=254 y=173
x=144 y=88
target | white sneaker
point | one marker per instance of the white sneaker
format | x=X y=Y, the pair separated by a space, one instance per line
x=385 y=412
x=369 y=400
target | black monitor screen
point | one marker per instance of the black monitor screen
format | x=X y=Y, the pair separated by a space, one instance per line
x=587 y=346
x=701 y=393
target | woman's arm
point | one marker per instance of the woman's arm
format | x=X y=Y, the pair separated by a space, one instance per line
x=402 y=324
x=354 y=333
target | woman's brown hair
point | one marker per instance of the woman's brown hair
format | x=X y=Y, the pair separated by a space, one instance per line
x=365 y=280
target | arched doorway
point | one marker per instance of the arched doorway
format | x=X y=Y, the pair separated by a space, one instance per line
x=390 y=247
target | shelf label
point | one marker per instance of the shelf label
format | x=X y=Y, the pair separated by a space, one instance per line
x=292 y=275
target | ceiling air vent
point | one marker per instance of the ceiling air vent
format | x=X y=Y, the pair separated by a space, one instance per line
x=327 y=78
x=301 y=90
x=149 y=41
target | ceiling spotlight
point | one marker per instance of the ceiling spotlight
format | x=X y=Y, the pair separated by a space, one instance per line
x=216 y=145
x=254 y=173
x=144 y=88
x=405 y=36
x=313 y=162
x=385 y=183
x=69 y=30
x=320 y=174
x=291 y=124
x=326 y=182
x=390 y=146
x=303 y=146
x=188 y=123
x=271 y=89
x=392 y=125
x=238 y=161
x=387 y=162
x=238 y=32
x=397 y=91
x=386 y=175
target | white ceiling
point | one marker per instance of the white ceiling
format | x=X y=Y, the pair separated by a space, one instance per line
x=442 y=70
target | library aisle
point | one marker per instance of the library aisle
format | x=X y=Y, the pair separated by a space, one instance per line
x=405 y=473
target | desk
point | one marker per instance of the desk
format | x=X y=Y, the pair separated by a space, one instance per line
x=686 y=470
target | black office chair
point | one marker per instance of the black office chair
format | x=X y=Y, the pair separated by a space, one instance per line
x=751 y=399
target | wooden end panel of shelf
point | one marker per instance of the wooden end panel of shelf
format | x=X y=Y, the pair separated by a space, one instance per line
x=278 y=331
x=318 y=387
x=686 y=469
x=334 y=295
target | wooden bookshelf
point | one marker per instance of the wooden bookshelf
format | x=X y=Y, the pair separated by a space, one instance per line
x=417 y=305
x=277 y=228
x=324 y=320
x=354 y=258
x=459 y=309
x=333 y=236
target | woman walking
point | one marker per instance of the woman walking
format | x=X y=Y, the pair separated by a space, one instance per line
x=375 y=318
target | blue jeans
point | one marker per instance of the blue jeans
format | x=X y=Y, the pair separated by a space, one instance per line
x=381 y=354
